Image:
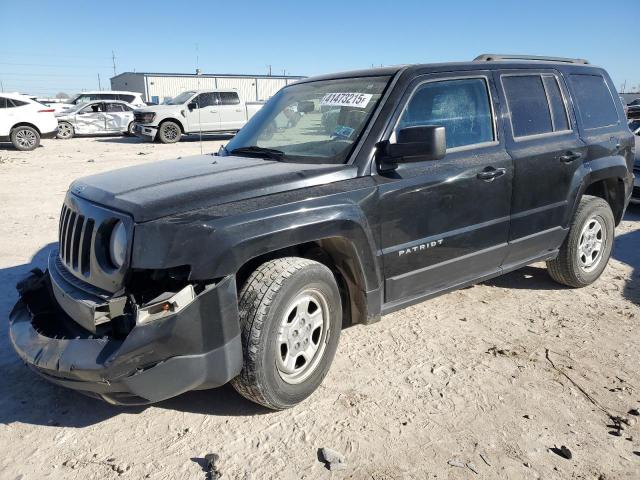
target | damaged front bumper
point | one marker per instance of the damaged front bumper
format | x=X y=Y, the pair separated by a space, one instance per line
x=196 y=347
x=145 y=132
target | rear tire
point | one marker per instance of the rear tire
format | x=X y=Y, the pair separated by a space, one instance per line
x=65 y=131
x=169 y=132
x=585 y=252
x=129 y=132
x=290 y=316
x=25 y=138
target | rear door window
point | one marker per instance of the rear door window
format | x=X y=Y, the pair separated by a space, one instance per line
x=229 y=98
x=461 y=106
x=528 y=104
x=126 y=98
x=595 y=103
x=115 y=107
x=558 y=109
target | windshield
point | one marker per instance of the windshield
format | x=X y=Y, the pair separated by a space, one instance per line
x=180 y=99
x=315 y=122
x=635 y=102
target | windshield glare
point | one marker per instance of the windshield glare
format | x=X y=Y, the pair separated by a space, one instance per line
x=315 y=122
x=180 y=99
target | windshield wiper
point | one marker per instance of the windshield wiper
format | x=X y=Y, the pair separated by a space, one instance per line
x=261 y=152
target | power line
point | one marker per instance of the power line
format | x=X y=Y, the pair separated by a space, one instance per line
x=55 y=66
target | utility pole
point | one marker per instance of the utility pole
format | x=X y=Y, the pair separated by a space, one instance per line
x=113 y=58
x=99 y=84
x=1 y=86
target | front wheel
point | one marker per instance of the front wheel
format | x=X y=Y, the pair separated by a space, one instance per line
x=65 y=130
x=25 y=138
x=586 y=250
x=291 y=316
x=169 y=132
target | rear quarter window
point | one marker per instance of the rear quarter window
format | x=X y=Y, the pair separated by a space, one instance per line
x=594 y=100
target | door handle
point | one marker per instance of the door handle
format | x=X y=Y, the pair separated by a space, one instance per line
x=489 y=174
x=238 y=110
x=569 y=157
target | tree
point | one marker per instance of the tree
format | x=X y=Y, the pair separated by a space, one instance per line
x=62 y=95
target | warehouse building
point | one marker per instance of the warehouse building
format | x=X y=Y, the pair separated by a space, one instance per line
x=156 y=87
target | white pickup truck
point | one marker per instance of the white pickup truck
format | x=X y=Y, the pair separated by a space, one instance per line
x=194 y=111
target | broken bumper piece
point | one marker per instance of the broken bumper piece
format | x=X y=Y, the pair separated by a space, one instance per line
x=196 y=347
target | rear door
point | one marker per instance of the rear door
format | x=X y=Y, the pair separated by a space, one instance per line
x=232 y=113
x=446 y=222
x=542 y=138
x=91 y=118
x=118 y=116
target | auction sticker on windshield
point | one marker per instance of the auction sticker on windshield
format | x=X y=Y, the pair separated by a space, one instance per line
x=358 y=100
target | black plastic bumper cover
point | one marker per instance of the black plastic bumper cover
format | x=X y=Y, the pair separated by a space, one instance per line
x=197 y=347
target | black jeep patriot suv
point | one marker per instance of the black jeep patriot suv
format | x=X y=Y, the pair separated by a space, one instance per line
x=346 y=197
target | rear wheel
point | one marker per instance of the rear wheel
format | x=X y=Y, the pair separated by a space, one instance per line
x=291 y=316
x=65 y=130
x=169 y=132
x=25 y=138
x=129 y=131
x=585 y=252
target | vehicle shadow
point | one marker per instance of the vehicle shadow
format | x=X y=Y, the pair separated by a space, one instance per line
x=28 y=398
x=626 y=249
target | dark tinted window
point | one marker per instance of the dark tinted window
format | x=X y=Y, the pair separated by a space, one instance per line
x=107 y=96
x=229 y=98
x=528 y=104
x=461 y=106
x=126 y=98
x=3 y=102
x=558 y=111
x=594 y=100
x=205 y=100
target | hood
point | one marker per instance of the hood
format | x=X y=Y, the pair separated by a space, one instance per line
x=158 y=189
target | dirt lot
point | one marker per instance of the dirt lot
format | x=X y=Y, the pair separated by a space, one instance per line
x=458 y=387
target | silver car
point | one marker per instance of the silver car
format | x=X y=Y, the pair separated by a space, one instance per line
x=96 y=118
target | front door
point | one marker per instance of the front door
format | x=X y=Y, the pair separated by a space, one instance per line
x=543 y=141
x=91 y=119
x=446 y=222
x=232 y=113
x=205 y=116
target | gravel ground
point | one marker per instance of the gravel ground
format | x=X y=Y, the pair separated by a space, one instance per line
x=481 y=383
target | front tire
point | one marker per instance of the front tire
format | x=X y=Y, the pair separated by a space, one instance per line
x=290 y=316
x=169 y=132
x=65 y=131
x=25 y=138
x=585 y=252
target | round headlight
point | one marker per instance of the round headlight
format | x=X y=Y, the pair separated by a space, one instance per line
x=118 y=245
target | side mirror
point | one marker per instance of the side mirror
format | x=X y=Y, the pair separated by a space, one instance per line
x=192 y=106
x=413 y=144
x=306 y=107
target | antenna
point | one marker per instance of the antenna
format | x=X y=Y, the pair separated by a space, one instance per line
x=113 y=58
x=198 y=85
x=269 y=67
x=99 y=85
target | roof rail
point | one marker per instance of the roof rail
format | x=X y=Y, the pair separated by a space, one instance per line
x=490 y=57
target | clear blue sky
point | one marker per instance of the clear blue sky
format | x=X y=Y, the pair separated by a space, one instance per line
x=55 y=46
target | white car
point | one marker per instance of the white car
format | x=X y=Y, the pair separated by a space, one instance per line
x=132 y=98
x=24 y=122
x=96 y=118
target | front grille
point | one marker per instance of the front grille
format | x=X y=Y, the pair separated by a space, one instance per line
x=75 y=236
